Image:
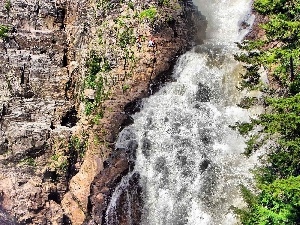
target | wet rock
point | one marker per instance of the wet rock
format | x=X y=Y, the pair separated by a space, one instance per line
x=105 y=182
x=203 y=93
x=133 y=106
x=128 y=204
x=146 y=146
x=5 y=218
x=205 y=136
x=204 y=165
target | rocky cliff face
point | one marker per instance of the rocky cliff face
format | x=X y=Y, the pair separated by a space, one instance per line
x=40 y=60
x=70 y=74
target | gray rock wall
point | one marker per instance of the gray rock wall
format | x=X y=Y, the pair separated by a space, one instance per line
x=36 y=92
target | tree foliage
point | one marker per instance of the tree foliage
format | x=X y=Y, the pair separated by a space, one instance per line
x=278 y=179
x=279 y=46
x=277 y=203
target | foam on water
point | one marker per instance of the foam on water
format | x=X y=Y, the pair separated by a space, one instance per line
x=189 y=160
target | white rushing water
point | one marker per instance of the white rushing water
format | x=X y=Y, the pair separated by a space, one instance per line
x=189 y=160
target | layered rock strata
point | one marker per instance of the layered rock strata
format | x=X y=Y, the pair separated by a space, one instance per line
x=56 y=134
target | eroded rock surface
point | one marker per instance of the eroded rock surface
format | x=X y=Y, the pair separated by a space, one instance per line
x=38 y=59
x=51 y=149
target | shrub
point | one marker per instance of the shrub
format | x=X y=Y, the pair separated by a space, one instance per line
x=7 y=5
x=94 y=80
x=131 y=5
x=28 y=161
x=126 y=37
x=4 y=31
x=149 y=14
x=125 y=87
x=78 y=145
x=163 y=2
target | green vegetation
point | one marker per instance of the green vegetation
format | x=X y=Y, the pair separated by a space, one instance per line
x=149 y=14
x=122 y=31
x=126 y=37
x=29 y=161
x=125 y=87
x=131 y=5
x=98 y=77
x=4 y=31
x=279 y=51
x=163 y=2
x=105 y=5
x=244 y=128
x=125 y=40
x=247 y=102
x=100 y=38
x=278 y=180
x=7 y=5
x=67 y=153
x=55 y=157
x=98 y=117
x=277 y=203
x=60 y=162
x=78 y=146
x=63 y=166
x=94 y=80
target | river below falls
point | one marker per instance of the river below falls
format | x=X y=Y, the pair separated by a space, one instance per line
x=189 y=160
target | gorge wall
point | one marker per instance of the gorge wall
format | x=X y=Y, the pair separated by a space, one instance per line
x=70 y=75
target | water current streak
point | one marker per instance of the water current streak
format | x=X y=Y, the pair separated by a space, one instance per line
x=188 y=159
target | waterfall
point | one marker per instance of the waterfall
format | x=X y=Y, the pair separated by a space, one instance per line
x=189 y=161
x=5 y=218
